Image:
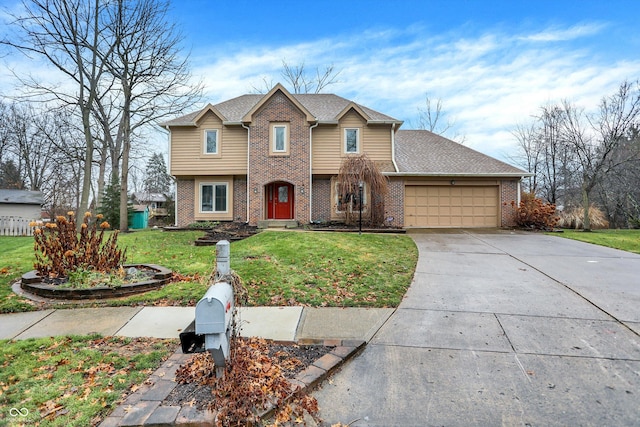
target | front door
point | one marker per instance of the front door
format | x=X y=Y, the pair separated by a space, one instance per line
x=280 y=200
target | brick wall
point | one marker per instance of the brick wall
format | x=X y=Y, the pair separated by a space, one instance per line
x=508 y=194
x=293 y=168
x=240 y=198
x=322 y=199
x=394 y=203
x=186 y=193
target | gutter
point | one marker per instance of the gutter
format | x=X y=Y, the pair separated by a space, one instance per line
x=248 y=166
x=393 y=147
x=310 y=190
x=462 y=175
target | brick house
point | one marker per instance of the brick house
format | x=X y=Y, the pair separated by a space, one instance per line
x=275 y=157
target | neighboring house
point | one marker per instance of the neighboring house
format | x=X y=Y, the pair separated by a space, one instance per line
x=276 y=156
x=155 y=202
x=21 y=204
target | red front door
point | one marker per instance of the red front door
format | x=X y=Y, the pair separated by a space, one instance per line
x=280 y=201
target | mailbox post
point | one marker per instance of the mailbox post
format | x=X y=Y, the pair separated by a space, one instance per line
x=214 y=314
x=212 y=327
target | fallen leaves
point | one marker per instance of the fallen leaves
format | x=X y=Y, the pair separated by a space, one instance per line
x=253 y=383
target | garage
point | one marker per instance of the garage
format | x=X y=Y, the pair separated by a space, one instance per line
x=451 y=206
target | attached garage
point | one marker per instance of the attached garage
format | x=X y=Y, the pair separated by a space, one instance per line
x=451 y=206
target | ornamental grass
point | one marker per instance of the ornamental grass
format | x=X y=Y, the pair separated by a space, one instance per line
x=60 y=249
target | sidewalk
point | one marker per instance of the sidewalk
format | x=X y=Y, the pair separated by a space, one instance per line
x=301 y=324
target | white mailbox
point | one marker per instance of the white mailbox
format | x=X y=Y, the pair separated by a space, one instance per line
x=214 y=314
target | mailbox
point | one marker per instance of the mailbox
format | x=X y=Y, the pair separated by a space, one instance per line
x=214 y=314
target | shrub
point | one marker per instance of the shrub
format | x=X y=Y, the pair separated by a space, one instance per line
x=534 y=213
x=60 y=249
x=574 y=218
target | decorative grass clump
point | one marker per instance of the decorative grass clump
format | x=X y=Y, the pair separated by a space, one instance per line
x=574 y=218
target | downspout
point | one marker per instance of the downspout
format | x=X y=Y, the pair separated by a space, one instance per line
x=393 y=147
x=311 y=171
x=175 y=189
x=248 y=167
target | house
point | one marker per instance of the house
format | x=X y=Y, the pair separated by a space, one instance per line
x=276 y=156
x=155 y=202
x=21 y=204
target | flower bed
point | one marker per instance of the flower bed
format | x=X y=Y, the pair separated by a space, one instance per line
x=33 y=283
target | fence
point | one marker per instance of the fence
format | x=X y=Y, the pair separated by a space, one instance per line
x=15 y=226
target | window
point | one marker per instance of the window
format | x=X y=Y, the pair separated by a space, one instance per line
x=211 y=141
x=351 y=140
x=279 y=144
x=213 y=197
x=350 y=200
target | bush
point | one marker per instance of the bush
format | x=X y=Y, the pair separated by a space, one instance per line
x=574 y=218
x=534 y=213
x=60 y=250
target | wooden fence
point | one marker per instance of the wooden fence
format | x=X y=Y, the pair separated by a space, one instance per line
x=15 y=226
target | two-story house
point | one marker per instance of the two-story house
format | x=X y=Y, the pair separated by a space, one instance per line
x=276 y=156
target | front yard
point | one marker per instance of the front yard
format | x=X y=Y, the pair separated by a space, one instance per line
x=278 y=268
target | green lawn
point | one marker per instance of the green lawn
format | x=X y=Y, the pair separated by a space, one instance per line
x=278 y=268
x=73 y=381
x=627 y=240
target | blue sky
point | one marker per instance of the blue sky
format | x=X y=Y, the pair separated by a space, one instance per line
x=492 y=63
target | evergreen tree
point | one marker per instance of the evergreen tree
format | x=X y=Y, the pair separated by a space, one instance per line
x=110 y=204
x=157 y=179
x=10 y=176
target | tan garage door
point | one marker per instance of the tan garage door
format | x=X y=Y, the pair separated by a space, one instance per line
x=451 y=206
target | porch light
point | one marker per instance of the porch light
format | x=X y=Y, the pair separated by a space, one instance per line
x=453 y=182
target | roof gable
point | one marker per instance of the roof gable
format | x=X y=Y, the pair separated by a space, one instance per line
x=355 y=107
x=208 y=109
x=248 y=117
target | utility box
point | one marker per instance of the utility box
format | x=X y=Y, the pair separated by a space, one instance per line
x=214 y=315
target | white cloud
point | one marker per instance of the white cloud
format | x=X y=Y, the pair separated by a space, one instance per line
x=488 y=83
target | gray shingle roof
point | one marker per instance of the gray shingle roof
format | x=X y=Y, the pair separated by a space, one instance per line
x=22 y=197
x=424 y=152
x=324 y=107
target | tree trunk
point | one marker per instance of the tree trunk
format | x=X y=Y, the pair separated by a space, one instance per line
x=586 y=222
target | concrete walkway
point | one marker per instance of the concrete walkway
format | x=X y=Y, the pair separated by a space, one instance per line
x=501 y=328
x=277 y=323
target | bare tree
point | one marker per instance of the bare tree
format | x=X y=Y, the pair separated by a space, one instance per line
x=153 y=79
x=68 y=35
x=300 y=81
x=530 y=155
x=596 y=139
x=432 y=118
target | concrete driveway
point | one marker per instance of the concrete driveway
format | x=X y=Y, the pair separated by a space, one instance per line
x=501 y=328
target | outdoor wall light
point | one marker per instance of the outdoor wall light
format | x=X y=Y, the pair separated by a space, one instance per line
x=453 y=182
x=302 y=190
x=255 y=190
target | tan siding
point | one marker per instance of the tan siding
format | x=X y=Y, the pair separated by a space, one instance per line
x=326 y=149
x=187 y=156
x=375 y=141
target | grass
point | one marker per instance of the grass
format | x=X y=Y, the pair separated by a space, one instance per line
x=72 y=381
x=278 y=268
x=626 y=240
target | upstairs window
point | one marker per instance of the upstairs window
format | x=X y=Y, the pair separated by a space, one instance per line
x=352 y=140
x=279 y=139
x=211 y=141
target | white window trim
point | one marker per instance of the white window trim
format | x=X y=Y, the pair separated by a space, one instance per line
x=365 y=198
x=213 y=204
x=357 y=141
x=204 y=146
x=272 y=148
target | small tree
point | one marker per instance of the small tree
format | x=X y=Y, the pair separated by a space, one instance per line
x=353 y=171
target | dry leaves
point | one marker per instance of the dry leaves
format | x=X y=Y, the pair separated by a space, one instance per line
x=253 y=383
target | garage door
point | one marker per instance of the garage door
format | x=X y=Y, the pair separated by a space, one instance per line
x=451 y=206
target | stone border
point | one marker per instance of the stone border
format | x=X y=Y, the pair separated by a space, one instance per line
x=144 y=407
x=31 y=282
